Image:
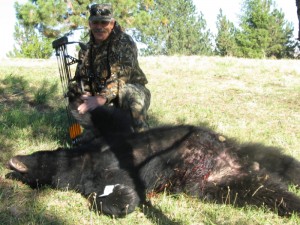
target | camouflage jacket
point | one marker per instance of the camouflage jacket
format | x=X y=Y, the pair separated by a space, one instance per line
x=108 y=66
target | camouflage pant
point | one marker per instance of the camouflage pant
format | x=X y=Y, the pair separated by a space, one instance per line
x=136 y=98
x=132 y=97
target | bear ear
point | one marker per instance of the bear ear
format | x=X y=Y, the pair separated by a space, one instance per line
x=17 y=165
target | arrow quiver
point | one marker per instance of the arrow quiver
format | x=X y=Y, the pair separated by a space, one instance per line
x=64 y=61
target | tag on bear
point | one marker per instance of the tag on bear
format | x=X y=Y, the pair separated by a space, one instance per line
x=108 y=190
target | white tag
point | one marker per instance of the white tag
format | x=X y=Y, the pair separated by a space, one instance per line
x=108 y=190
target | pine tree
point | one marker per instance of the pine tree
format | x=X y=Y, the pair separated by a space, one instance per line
x=282 y=44
x=174 y=27
x=50 y=19
x=254 y=37
x=225 y=39
x=264 y=33
x=55 y=17
x=30 y=44
x=165 y=27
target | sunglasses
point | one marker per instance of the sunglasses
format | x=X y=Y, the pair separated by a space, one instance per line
x=99 y=12
x=102 y=23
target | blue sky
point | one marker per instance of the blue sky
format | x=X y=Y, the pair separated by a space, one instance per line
x=210 y=9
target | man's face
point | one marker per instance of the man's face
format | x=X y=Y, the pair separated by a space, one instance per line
x=101 y=29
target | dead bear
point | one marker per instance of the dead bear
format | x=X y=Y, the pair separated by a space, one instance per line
x=115 y=173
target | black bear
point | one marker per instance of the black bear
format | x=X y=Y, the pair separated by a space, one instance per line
x=115 y=173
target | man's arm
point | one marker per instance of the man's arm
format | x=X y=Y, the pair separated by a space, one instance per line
x=124 y=69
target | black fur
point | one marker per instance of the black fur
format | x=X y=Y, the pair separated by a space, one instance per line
x=104 y=122
x=188 y=159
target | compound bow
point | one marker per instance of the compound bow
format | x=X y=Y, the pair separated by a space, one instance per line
x=64 y=61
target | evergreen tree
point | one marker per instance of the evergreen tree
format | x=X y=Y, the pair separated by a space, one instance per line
x=49 y=19
x=282 y=44
x=264 y=32
x=225 y=39
x=30 y=44
x=55 y=17
x=174 y=27
x=253 y=38
x=165 y=27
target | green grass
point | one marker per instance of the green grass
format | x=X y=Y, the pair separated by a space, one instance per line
x=249 y=100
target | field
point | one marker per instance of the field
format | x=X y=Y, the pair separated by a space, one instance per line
x=249 y=100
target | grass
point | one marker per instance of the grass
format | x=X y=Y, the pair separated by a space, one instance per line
x=249 y=100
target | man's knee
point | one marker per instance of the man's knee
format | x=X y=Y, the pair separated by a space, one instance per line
x=137 y=99
x=135 y=96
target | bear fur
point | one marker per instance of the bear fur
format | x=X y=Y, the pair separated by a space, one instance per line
x=176 y=159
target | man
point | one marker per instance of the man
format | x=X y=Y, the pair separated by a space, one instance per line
x=110 y=70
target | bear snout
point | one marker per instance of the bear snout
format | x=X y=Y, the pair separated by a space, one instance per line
x=17 y=165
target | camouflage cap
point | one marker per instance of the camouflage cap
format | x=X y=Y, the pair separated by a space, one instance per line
x=101 y=12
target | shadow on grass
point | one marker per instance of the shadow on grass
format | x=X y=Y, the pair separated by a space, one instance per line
x=26 y=116
x=19 y=206
x=157 y=216
x=26 y=113
x=156 y=122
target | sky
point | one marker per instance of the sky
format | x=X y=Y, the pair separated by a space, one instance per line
x=209 y=8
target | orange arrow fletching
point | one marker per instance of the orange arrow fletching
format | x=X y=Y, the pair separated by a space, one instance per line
x=75 y=130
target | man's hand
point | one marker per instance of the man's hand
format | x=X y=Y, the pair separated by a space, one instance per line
x=90 y=103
